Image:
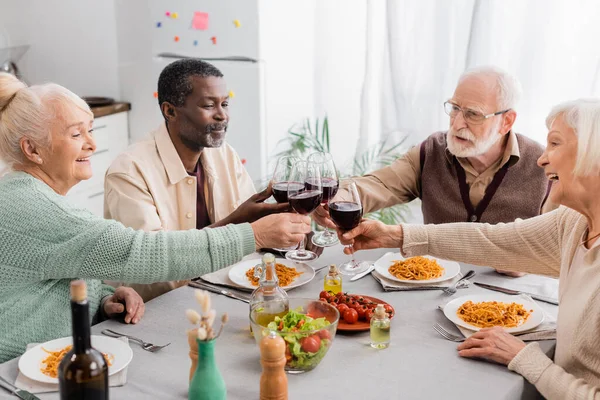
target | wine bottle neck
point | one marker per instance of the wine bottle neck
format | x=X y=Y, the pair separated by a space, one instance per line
x=80 y=314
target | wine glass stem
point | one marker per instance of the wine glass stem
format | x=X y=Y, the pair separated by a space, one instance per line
x=353 y=261
x=301 y=251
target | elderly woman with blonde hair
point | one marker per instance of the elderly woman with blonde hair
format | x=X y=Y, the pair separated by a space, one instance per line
x=46 y=138
x=565 y=241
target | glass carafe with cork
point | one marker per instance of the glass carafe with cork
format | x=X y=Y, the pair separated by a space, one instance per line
x=268 y=300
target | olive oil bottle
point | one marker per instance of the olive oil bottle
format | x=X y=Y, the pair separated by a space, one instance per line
x=269 y=300
x=380 y=328
x=83 y=373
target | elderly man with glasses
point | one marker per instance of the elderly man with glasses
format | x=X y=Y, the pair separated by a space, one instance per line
x=477 y=171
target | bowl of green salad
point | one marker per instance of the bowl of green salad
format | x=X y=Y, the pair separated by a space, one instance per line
x=308 y=328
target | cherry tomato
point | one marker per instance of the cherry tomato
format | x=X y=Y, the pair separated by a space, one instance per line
x=350 y=316
x=341 y=308
x=311 y=344
x=361 y=312
x=324 y=294
x=324 y=334
x=368 y=315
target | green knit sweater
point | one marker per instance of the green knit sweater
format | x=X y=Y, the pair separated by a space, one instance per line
x=45 y=242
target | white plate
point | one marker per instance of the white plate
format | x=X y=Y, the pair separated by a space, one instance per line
x=237 y=273
x=451 y=269
x=31 y=362
x=536 y=317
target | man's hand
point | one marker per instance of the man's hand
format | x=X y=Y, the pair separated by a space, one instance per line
x=125 y=299
x=321 y=217
x=253 y=209
x=372 y=235
x=280 y=230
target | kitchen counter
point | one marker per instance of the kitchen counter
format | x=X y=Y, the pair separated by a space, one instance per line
x=110 y=109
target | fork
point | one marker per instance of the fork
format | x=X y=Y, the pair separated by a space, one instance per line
x=447 y=335
x=145 y=345
x=450 y=290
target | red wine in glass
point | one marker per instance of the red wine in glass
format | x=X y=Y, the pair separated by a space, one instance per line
x=306 y=202
x=345 y=214
x=330 y=188
x=280 y=190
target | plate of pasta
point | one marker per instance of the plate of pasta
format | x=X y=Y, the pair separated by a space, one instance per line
x=40 y=363
x=289 y=273
x=512 y=313
x=417 y=270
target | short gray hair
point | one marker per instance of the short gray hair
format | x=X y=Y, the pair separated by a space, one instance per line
x=583 y=116
x=27 y=112
x=509 y=88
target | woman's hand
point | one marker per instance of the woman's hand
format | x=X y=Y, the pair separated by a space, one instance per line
x=125 y=299
x=493 y=344
x=280 y=230
x=372 y=235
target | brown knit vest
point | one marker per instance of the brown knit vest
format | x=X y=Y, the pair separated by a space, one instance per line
x=516 y=191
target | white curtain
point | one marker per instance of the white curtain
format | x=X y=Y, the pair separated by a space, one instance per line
x=417 y=50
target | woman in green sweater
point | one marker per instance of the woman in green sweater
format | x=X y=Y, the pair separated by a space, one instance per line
x=565 y=242
x=46 y=138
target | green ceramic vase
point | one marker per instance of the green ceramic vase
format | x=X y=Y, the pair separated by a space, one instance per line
x=207 y=383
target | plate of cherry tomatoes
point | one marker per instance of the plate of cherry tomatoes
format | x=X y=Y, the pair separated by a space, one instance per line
x=355 y=310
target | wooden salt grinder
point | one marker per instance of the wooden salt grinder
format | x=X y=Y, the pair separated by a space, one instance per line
x=273 y=381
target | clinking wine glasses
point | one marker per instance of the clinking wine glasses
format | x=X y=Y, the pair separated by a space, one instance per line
x=330 y=183
x=345 y=209
x=305 y=193
x=281 y=178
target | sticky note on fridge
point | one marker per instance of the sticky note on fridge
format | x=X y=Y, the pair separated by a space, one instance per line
x=200 y=21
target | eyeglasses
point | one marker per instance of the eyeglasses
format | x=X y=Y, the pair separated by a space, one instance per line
x=472 y=117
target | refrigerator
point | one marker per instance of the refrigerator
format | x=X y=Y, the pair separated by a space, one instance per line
x=153 y=33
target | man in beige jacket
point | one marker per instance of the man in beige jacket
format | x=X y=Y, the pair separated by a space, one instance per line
x=184 y=176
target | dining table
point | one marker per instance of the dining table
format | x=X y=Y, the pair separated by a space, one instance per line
x=418 y=364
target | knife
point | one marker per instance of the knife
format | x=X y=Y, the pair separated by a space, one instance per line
x=213 y=289
x=20 y=393
x=513 y=292
x=367 y=272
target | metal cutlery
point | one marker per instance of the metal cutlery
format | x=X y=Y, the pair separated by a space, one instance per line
x=447 y=335
x=515 y=292
x=452 y=289
x=365 y=273
x=217 y=290
x=145 y=345
x=20 y=393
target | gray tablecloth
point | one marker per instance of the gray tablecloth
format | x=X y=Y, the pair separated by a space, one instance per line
x=419 y=364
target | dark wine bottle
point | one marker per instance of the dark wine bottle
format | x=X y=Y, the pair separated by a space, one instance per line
x=83 y=373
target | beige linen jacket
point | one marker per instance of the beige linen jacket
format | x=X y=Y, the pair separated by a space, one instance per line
x=148 y=188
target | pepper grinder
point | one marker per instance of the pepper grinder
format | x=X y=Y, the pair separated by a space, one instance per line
x=273 y=381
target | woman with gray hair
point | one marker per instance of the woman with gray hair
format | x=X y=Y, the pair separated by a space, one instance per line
x=565 y=241
x=46 y=138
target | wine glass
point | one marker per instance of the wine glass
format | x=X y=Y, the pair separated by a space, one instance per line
x=345 y=209
x=281 y=177
x=304 y=199
x=330 y=183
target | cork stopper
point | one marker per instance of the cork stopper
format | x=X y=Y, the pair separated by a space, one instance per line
x=269 y=272
x=268 y=258
x=333 y=269
x=380 y=311
x=78 y=291
x=272 y=347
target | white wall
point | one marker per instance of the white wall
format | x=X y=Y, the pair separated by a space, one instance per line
x=314 y=54
x=73 y=42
